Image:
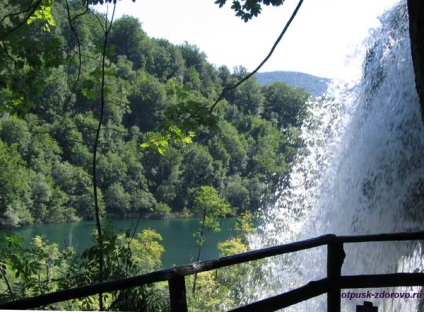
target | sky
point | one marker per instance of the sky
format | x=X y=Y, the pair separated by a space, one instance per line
x=317 y=42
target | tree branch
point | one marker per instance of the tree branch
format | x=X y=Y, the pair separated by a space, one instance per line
x=74 y=31
x=107 y=30
x=31 y=9
x=221 y=96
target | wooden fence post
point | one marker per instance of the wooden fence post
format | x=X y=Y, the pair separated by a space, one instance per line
x=367 y=307
x=177 y=293
x=335 y=258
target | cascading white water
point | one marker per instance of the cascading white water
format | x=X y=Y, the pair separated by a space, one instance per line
x=361 y=172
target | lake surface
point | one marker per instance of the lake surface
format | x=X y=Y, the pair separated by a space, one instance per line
x=180 y=245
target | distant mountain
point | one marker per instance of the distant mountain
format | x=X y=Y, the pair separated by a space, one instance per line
x=312 y=84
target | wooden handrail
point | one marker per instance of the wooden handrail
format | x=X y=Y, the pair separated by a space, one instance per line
x=308 y=291
x=316 y=288
x=385 y=237
x=175 y=276
x=381 y=280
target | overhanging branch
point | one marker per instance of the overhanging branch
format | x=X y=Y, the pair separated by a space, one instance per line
x=221 y=96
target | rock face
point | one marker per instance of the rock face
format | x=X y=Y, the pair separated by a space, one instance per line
x=416 y=30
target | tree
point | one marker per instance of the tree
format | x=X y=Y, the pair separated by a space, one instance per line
x=248 y=97
x=140 y=253
x=14 y=188
x=235 y=146
x=28 y=52
x=236 y=193
x=167 y=61
x=117 y=200
x=111 y=168
x=284 y=104
x=147 y=103
x=211 y=207
x=128 y=39
x=55 y=98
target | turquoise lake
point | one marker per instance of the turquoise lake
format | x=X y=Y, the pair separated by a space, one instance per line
x=180 y=245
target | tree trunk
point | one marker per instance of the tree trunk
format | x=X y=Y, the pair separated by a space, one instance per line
x=416 y=32
x=201 y=238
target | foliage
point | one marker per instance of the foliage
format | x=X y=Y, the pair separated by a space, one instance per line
x=247 y=9
x=43 y=268
x=156 y=94
x=63 y=73
x=186 y=114
x=34 y=270
x=211 y=208
x=284 y=105
x=29 y=51
x=225 y=288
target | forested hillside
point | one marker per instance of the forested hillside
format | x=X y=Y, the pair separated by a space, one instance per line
x=314 y=85
x=50 y=83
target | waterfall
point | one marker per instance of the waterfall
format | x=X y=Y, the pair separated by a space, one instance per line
x=361 y=172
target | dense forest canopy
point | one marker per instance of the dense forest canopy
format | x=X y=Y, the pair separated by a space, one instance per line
x=50 y=82
x=99 y=120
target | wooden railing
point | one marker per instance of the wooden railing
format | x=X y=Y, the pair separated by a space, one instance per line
x=331 y=285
